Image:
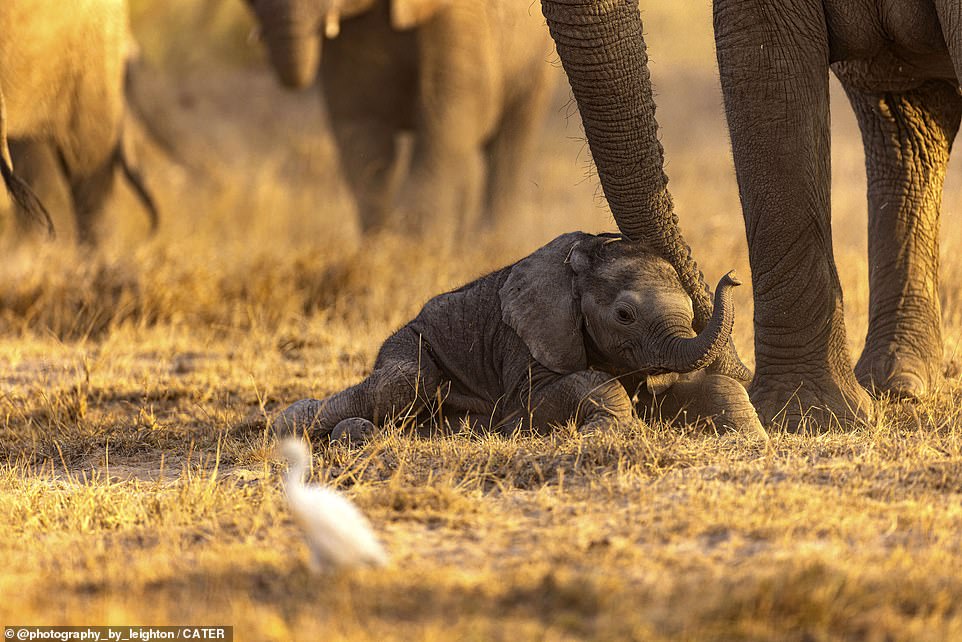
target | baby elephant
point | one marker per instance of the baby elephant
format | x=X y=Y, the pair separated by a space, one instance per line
x=540 y=342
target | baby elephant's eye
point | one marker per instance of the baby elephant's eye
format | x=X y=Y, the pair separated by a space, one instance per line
x=625 y=314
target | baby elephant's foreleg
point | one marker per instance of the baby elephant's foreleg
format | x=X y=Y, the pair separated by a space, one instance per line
x=595 y=400
x=404 y=388
x=320 y=417
x=393 y=389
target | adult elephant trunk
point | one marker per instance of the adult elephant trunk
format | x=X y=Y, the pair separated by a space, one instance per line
x=295 y=57
x=292 y=31
x=603 y=52
x=689 y=354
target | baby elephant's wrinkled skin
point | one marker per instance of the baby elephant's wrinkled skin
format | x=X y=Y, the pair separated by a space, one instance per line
x=540 y=342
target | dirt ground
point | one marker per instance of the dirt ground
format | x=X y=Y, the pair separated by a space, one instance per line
x=138 y=484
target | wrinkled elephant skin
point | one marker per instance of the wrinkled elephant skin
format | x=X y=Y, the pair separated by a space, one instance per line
x=540 y=342
x=899 y=65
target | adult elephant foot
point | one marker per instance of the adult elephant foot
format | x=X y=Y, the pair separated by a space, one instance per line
x=811 y=404
x=892 y=369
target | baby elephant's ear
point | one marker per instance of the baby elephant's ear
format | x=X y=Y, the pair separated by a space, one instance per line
x=538 y=302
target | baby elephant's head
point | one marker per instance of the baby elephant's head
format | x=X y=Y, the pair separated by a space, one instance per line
x=611 y=303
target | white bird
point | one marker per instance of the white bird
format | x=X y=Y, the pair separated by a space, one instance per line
x=337 y=533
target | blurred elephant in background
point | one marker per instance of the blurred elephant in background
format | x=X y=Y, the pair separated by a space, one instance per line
x=62 y=80
x=471 y=80
x=900 y=64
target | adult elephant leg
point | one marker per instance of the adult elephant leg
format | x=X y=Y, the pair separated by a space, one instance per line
x=907 y=138
x=88 y=156
x=367 y=152
x=773 y=62
x=367 y=74
x=446 y=179
x=444 y=187
x=89 y=188
x=510 y=151
x=27 y=205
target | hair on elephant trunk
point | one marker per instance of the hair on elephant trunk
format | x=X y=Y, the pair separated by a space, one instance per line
x=612 y=87
x=618 y=113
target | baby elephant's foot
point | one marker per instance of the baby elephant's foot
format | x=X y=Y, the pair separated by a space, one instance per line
x=353 y=431
x=300 y=417
x=605 y=424
x=701 y=396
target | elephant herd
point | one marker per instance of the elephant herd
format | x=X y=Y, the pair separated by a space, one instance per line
x=471 y=81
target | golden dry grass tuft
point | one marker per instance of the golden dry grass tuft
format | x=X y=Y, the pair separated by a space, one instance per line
x=138 y=484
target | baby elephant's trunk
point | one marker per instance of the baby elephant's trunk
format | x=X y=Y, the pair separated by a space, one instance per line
x=689 y=354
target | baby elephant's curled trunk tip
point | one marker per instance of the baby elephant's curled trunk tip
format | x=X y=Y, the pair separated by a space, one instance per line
x=688 y=355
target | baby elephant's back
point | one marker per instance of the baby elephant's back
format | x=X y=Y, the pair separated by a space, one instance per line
x=466 y=338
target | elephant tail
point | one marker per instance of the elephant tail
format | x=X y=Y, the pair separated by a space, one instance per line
x=29 y=208
x=128 y=160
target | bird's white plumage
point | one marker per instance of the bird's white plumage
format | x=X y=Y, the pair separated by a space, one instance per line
x=337 y=533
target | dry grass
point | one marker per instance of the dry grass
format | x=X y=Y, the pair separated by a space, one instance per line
x=136 y=491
